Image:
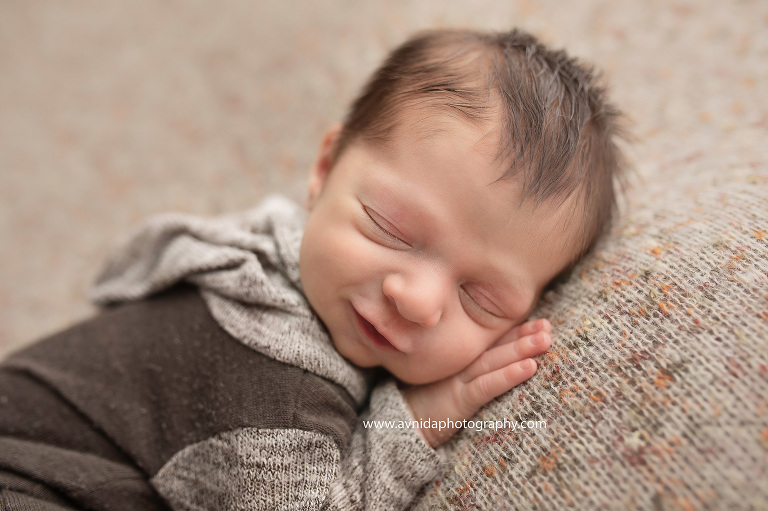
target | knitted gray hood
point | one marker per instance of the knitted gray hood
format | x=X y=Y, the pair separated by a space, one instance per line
x=247 y=268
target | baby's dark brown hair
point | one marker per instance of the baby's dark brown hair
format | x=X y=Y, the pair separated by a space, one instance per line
x=558 y=131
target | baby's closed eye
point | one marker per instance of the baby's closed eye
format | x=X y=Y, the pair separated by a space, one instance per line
x=385 y=228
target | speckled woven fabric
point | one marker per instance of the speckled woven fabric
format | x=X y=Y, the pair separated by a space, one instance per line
x=656 y=389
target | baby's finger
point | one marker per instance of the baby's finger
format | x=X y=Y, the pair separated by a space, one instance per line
x=481 y=390
x=527 y=328
x=506 y=354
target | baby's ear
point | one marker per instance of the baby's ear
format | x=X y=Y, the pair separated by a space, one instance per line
x=323 y=164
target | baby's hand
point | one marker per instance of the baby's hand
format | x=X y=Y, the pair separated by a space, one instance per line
x=502 y=367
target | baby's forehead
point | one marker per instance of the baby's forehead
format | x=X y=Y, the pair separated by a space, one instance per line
x=489 y=175
x=424 y=123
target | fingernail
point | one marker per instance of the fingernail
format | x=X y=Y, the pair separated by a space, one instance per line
x=539 y=339
x=527 y=365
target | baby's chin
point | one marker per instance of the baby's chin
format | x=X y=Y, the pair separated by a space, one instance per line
x=412 y=381
x=357 y=358
x=414 y=377
x=403 y=373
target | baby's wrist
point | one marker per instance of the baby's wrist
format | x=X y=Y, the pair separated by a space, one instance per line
x=437 y=432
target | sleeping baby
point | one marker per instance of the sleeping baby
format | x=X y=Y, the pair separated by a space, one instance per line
x=239 y=359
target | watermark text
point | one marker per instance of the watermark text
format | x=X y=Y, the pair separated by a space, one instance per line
x=476 y=424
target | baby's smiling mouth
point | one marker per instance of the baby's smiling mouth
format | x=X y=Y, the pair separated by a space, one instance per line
x=374 y=335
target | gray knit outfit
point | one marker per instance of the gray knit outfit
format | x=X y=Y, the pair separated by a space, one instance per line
x=250 y=409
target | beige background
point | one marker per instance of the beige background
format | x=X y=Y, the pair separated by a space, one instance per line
x=112 y=111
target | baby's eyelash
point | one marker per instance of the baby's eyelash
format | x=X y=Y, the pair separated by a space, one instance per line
x=476 y=305
x=378 y=225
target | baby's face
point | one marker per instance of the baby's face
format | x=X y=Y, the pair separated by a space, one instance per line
x=415 y=259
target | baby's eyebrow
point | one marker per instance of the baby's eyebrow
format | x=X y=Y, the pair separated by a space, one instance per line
x=399 y=207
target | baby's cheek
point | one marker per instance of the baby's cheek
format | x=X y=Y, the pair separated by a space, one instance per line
x=481 y=341
x=459 y=357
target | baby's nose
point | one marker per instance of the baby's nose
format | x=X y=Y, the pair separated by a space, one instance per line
x=419 y=300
